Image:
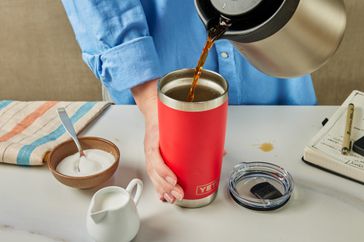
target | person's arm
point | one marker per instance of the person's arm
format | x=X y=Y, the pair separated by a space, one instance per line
x=116 y=45
x=164 y=180
x=115 y=41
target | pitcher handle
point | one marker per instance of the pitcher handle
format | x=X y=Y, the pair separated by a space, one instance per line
x=139 y=188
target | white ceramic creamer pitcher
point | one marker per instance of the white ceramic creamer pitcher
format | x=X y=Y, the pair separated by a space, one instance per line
x=112 y=215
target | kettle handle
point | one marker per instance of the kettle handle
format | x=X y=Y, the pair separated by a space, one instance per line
x=139 y=188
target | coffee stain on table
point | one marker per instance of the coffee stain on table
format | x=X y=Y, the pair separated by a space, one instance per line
x=266 y=147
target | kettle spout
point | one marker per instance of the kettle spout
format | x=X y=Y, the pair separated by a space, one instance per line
x=97 y=217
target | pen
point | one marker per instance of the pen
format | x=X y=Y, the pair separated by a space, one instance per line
x=349 y=121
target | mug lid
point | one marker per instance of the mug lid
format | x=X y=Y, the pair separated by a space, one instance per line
x=260 y=185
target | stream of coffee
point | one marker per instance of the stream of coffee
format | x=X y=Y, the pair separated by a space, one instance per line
x=214 y=33
x=198 y=69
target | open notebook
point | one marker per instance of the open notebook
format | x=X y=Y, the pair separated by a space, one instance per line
x=324 y=150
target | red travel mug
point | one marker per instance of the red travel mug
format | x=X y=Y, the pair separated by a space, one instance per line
x=192 y=134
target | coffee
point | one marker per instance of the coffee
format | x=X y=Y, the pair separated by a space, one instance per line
x=214 y=33
x=202 y=93
x=198 y=69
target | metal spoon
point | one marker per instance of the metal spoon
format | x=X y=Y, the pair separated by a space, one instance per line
x=67 y=124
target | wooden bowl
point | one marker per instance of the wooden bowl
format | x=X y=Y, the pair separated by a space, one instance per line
x=68 y=148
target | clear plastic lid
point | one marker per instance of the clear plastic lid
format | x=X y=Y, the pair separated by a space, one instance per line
x=260 y=185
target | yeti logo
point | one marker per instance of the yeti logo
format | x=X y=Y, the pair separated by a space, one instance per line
x=206 y=188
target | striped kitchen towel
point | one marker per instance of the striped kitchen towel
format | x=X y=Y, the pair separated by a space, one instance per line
x=28 y=130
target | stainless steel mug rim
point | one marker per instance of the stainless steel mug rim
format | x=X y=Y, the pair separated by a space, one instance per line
x=206 y=76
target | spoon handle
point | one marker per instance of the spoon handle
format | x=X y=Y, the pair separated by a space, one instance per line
x=67 y=124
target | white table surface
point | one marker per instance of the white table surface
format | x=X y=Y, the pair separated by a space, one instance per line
x=34 y=206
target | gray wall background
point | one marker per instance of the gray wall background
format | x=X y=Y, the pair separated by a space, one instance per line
x=40 y=59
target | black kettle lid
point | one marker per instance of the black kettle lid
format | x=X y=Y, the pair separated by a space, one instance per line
x=251 y=20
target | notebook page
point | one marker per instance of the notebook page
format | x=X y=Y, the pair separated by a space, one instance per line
x=329 y=140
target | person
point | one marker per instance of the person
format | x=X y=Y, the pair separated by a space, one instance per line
x=129 y=44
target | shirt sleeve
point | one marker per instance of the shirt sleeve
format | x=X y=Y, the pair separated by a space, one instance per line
x=115 y=41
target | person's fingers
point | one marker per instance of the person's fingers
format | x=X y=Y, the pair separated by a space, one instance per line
x=169 y=192
x=167 y=175
x=177 y=192
x=169 y=197
x=162 y=198
x=155 y=181
x=163 y=185
x=162 y=169
x=162 y=177
x=160 y=184
x=165 y=190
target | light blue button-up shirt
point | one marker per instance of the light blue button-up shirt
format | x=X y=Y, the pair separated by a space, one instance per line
x=128 y=42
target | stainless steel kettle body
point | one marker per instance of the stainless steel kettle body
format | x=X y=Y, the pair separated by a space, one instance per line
x=283 y=38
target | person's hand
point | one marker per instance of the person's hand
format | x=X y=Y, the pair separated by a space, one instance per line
x=163 y=179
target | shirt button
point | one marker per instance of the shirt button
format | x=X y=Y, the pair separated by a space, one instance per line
x=224 y=55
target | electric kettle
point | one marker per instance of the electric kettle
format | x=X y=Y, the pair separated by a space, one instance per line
x=283 y=38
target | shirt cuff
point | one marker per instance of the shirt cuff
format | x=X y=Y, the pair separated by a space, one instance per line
x=127 y=65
